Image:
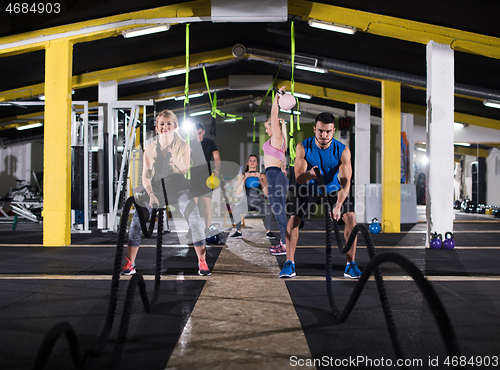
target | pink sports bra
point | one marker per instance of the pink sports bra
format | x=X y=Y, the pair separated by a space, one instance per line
x=272 y=151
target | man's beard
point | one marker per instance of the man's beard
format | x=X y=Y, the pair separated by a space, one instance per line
x=323 y=144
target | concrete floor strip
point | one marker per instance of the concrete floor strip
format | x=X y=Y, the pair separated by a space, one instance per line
x=244 y=317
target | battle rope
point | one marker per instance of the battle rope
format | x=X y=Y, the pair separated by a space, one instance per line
x=440 y=315
x=136 y=282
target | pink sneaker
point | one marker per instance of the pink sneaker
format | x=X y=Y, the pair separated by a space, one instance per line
x=129 y=268
x=278 y=250
x=203 y=268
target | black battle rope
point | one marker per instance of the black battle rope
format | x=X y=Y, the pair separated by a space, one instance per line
x=433 y=300
x=166 y=202
x=137 y=281
x=391 y=326
x=141 y=212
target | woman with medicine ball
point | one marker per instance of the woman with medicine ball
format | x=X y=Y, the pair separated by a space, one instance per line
x=255 y=184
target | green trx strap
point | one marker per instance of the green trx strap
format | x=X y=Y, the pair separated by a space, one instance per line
x=298 y=115
x=186 y=86
x=293 y=56
x=208 y=87
x=254 y=119
x=292 y=139
x=214 y=105
x=213 y=102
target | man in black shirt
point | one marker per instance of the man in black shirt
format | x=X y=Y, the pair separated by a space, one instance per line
x=201 y=170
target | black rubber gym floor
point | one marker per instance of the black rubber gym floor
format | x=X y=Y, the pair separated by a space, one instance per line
x=459 y=276
x=472 y=308
x=30 y=308
x=40 y=287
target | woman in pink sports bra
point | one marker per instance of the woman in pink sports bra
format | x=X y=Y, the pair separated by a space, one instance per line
x=274 y=162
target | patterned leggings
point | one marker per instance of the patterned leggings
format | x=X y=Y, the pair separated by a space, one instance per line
x=189 y=211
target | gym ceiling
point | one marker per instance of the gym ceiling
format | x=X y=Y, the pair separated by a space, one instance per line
x=390 y=43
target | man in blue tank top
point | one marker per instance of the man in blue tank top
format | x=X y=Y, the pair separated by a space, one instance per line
x=334 y=161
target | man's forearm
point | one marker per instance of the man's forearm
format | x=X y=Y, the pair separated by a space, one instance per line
x=304 y=178
x=343 y=192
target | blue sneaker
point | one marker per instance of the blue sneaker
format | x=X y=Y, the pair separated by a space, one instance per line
x=288 y=270
x=352 y=271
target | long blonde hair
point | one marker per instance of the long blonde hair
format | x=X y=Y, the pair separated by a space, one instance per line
x=179 y=146
x=282 y=129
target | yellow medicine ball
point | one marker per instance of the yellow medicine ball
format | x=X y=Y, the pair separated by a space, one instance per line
x=213 y=182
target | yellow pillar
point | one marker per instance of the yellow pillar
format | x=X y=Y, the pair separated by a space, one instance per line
x=57 y=144
x=391 y=157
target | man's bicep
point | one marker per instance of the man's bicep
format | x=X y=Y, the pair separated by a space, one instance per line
x=345 y=170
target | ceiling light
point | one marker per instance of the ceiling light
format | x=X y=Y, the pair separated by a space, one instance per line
x=163 y=99
x=458 y=125
x=26 y=127
x=41 y=97
x=21 y=103
x=492 y=103
x=182 y=97
x=463 y=144
x=303 y=96
x=332 y=27
x=230 y=120
x=310 y=69
x=201 y=112
x=145 y=31
x=172 y=72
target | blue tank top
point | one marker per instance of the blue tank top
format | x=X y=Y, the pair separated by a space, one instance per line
x=252 y=182
x=328 y=162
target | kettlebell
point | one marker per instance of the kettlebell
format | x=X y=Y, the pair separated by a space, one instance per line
x=448 y=242
x=436 y=241
x=287 y=101
x=374 y=226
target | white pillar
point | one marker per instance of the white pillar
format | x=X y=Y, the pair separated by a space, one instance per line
x=361 y=159
x=407 y=126
x=440 y=136
x=107 y=93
